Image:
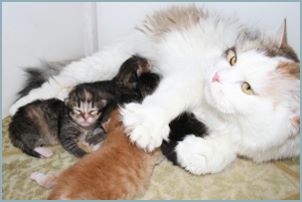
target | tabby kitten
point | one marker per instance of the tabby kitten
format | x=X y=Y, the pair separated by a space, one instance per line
x=38 y=124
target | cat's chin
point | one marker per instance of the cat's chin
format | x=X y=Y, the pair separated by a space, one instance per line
x=214 y=96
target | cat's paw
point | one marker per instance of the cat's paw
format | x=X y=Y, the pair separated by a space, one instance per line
x=40 y=178
x=199 y=156
x=145 y=125
x=46 y=181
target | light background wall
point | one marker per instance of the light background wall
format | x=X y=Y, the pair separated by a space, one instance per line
x=59 y=31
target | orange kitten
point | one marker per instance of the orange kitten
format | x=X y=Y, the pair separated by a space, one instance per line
x=118 y=170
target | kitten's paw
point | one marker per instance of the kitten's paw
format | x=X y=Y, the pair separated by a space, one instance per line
x=42 y=179
x=145 y=125
x=199 y=157
x=45 y=152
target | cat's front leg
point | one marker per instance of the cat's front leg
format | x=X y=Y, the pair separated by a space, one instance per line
x=205 y=155
x=100 y=66
x=147 y=124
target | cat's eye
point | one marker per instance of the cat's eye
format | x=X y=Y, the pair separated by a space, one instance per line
x=247 y=89
x=231 y=56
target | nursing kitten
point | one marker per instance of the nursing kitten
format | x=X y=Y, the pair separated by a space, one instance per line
x=118 y=170
x=44 y=123
x=243 y=84
x=36 y=125
x=80 y=119
x=47 y=122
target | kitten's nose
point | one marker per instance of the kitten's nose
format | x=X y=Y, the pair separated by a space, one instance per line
x=216 y=78
x=85 y=116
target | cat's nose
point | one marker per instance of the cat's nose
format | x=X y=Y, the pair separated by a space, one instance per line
x=216 y=78
x=85 y=116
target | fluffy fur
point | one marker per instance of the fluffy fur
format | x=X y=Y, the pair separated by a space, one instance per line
x=186 y=46
x=118 y=170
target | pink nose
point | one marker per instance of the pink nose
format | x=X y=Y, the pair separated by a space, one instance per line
x=85 y=116
x=216 y=78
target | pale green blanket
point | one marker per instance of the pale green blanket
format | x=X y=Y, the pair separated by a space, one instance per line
x=241 y=180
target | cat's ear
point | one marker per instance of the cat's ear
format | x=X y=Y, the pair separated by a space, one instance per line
x=283 y=35
x=66 y=100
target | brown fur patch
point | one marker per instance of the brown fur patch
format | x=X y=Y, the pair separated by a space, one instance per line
x=37 y=115
x=291 y=69
x=175 y=17
x=118 y=170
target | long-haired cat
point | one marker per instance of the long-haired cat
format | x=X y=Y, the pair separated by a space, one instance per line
x=241 y=83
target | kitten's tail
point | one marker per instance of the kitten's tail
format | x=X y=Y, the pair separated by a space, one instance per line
x=36 y=76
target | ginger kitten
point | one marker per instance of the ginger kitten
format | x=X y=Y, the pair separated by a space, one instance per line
x=118 y=170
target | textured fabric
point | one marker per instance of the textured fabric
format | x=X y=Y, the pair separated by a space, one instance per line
x=241 y=180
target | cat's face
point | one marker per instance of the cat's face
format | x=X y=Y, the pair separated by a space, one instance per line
x=84 y=106
x=254 y=86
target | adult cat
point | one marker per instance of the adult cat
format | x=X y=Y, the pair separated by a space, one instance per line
x=243 y=84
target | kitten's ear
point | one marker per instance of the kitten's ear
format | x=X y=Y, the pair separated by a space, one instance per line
x=143 y=66
x=102 y=103
x=283 y=35
x=66 y=101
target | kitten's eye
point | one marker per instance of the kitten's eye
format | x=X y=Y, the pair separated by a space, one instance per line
x=247 y=89
x=231 y=56
x=94 y=112
x=77 y=111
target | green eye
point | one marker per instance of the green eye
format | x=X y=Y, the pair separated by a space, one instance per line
x=247 y=89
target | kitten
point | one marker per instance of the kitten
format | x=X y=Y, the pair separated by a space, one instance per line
x=80 y=119
x=118 y=170
x=44 y=123
x=36 y=125
x=87 y=106
x=249 y=98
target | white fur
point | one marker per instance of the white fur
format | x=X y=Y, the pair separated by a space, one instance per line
x=45 y=152
x=187 y=59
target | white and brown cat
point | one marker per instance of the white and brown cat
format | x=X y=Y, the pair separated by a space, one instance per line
x=241 y=83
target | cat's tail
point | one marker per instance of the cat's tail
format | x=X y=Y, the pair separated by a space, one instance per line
x=36 y=76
